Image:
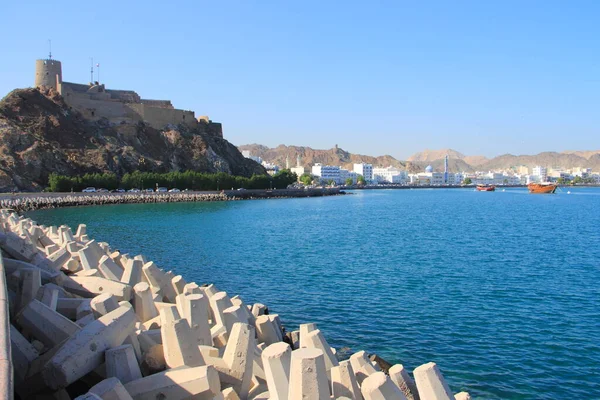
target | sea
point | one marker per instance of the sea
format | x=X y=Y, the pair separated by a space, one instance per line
x=500 y=289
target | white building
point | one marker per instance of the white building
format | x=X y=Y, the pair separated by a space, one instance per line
x=298 y=171
x=541 y=173
x=272 y=169
x=327 y=172
x=366 y=170
x=389 y=175
x=345 y=174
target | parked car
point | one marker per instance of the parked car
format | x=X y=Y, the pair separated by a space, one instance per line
x=162 y=190
x=120 y=190
x=89 y=190
x=134 y=190
x=102 y=190
x=149 y=190
x=241 y=189
x=174 y=190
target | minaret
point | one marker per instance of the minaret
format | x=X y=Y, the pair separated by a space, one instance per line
x=287 y=162
x=298 y=164
x=446 y=169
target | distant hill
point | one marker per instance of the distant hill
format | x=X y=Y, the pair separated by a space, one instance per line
x=419 y=161
x=309 y=156
x=432 y=155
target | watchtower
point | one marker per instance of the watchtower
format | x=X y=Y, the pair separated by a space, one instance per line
x=48 y=73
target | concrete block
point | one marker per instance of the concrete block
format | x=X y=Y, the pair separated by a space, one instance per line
x=431 y=383
x=109 y=269
x=23 y=354
x=49 y=297
x=462 y=396
x=233 y=315
x=193 y=288
x=305 y=329
x=84 y=351
x=238 y=357
x=219 y=302
x=143 y=303
x=73 y=265
x=84 y=239
x=295 y=339
x=378 y=386
x=258 y=309
x=68 y=306
x=183 y=383
x=400 y=377
x=343 y=381
x=237 y=301
x=132 y=274
x=196 y=313
x=315 y=339
x=103 y=304
x=266 y=330
x=81 y=230
x=308 y=377
x=88 y=257
x=110 y=389
x=178 y=284
x=88 y=396
x=51 y=248
x=122 y=364
x=45 y=324
x=362 y=366
x=31 y=282
x=179 y=346
x=93 y=286
x=209 y=290
x=83 y=309
x=153 y=323
x=59 y=258
x=73 y=248
x=276 y=360
x=88 y=273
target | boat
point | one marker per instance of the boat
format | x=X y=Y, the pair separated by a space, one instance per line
x=542 y=188
x=486 y=188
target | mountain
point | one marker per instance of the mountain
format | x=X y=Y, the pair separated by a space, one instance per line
x=584 y=154
x=546 y=159
x=309 y=156
x=432 y=155
x=40 y=134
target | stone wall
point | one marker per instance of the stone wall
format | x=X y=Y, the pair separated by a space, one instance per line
x=158 y=103
x=159 y=117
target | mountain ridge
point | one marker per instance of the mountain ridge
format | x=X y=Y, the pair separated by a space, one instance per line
x=418 y=161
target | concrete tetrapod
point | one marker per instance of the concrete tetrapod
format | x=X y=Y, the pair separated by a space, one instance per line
x=308 y=377
x=304 y=330
x=266 y=330
x=200 y=383
x=362 y=366
x=276 y=360
x=399 y=375
x=315 y=339
x=45 y=324
x=378 y=386
x=238 y=358
x=343 y=381
x=196 y=312
x=179 y=345
x=431 y=383
x=122 y=364
x=143 y=303
x=84 y=351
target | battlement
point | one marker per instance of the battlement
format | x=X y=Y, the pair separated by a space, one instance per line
x=95 y=102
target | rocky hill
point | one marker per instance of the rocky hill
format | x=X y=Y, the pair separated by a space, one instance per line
x=309 y=156
x=40 y=134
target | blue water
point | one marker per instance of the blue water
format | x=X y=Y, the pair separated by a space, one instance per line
x=500 y=289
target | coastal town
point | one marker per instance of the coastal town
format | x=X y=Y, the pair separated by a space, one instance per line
x=380 y=175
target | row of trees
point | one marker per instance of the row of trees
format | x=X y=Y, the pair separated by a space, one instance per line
x=182 y=180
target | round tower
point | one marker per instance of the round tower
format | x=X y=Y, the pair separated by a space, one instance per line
x=48 y=73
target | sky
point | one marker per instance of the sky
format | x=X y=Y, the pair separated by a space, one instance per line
x=380 y=77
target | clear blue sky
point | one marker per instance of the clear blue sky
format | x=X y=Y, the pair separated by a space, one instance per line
x=381 y=77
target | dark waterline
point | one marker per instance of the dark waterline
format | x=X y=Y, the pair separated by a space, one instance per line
x=500 y=289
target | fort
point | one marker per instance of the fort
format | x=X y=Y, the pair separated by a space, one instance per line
x=95 y=102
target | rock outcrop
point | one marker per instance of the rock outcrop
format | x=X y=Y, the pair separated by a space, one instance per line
x=40 y=134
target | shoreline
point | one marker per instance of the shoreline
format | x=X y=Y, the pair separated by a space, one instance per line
x=24 y=202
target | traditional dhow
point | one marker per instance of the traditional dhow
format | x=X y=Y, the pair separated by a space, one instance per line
x=486 y=188
x=542 y=188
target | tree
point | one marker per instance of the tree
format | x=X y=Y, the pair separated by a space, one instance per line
x=467 y=181
x=306 y=179
x=560 y=181
x=283 y=178
x=360 y=180
x=577 y=180
x=505 y=181
x=349 y=182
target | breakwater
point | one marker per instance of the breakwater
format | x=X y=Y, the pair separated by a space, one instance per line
x=89 y=321
x=24 y=202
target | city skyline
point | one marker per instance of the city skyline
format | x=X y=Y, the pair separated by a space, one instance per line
x=486 y=79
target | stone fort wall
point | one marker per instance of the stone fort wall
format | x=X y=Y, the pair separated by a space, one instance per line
x=95 y=102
